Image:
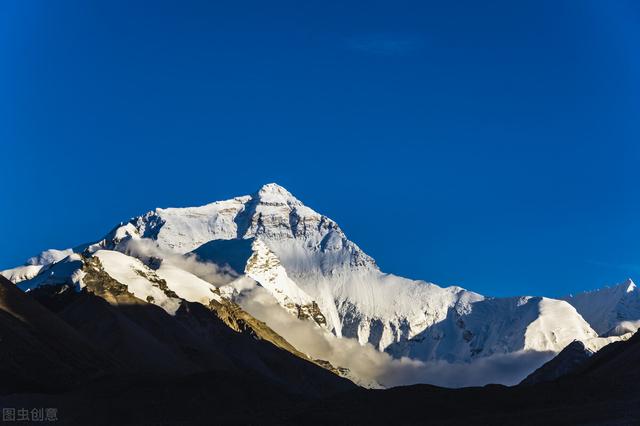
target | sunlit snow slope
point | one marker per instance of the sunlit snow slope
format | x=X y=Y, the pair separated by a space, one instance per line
x=610 y=310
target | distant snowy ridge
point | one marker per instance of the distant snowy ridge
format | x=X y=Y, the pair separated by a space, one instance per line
x=610 y=310
x=35 y=265
x=503 y=325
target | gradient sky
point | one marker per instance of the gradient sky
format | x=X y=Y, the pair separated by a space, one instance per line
x=492 y=145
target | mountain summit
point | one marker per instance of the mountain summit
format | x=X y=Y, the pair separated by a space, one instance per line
x=610 y=310
x=272 y=192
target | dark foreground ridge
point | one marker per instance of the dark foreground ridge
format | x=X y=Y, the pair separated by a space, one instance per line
x=569 y=359
x=131 y=363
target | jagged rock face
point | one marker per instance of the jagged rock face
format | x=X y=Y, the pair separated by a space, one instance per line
x=239 y=320
x=254 y=258
x=97 y=281
x=272 y=214
x=39 y=351
x=265 y=267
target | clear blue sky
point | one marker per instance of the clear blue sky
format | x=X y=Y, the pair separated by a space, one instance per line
x=492 y=145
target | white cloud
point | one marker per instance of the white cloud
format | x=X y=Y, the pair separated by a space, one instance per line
x=366 y=364
x=372 y=366
x=146 y=250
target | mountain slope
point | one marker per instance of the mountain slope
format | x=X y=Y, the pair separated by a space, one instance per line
x=564 y=363
x=39 y=351
x=610 y=310
x=494 y=326
x=132 y=313
x=603 y=392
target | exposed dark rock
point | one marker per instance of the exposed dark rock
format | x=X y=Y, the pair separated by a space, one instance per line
x=147 y=341
x=39 y=351
x=562 y=364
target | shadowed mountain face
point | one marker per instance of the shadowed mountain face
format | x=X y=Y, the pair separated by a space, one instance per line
x=39 y=351
x=570 y=358
x=233 y=253
x=147 y=341
x=577 y=360
x=103 y=330
x=121 y=360
x=618 y=362
x=603 y=391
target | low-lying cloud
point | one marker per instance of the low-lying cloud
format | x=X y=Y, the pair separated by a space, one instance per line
x=367 y=366
x=372 y=367
x=147 y=250
x=624 y=327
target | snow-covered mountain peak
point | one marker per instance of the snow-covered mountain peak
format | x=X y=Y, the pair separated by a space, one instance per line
x=631 y=286
x=606 y=308
x=48 y=257
x=272 y=193
x=302 y=238
x=275 y=213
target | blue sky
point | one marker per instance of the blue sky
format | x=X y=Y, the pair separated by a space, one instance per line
x=492 y=145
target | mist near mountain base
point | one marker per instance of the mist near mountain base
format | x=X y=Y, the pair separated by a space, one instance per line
x=372 y=368
x=367 y=366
